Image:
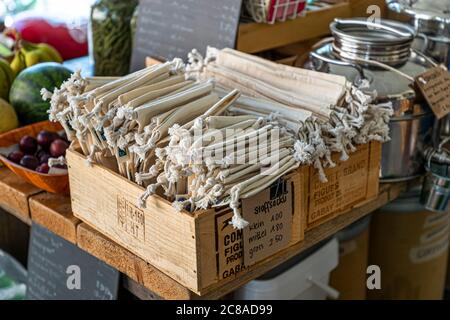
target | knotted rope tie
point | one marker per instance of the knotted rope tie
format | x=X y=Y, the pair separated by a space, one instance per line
x=151 y=190
x=61 y=161
x=180 y=205
x=303 y=152
x=210 y=197
x=236 y=221
x=90 y=158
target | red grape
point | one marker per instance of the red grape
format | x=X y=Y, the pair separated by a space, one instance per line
x=45 y=138
x=30 y=162
x=28 y=145
x=15 y=156
x=43 y=158
x=43 y=168
x=58 y=148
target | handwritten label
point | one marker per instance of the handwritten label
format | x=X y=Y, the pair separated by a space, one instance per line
x=435 y=87
x=269 y=214
x=130 y=218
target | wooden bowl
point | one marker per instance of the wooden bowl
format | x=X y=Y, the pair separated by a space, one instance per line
x=55 y=183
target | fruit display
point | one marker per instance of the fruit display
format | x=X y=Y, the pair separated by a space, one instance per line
x=25 y=94
x=41 y=153
x=6 y=78
x=8 y=117
x=27 y=152
x=18 y=56
x=29 y=54
x=69 y=39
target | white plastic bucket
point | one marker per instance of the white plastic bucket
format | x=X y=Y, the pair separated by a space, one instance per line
x=305 y=280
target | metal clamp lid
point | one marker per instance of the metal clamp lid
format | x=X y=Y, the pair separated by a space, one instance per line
x=356 y=64
x=386 y=41
x=402 y=32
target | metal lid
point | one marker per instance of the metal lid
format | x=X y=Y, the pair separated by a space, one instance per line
x=438 y=10
x=357 y=39
x=388 y=85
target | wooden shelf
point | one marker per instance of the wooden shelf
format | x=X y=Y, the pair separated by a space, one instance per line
x=257 y=37
x=54 y=212
x=14 y=194
x=144 y=280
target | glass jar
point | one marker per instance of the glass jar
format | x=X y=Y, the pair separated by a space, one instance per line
x=133 y=24
x=110 y=36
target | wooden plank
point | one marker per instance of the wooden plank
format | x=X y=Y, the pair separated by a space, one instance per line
x=257 y=37
x=138 y=290
x=54 y=212
x=14 y=236
x=134 y=267
x=359 y=8
x=312 y=237
x=14 y=194
x=374 y=170
x=206 y=250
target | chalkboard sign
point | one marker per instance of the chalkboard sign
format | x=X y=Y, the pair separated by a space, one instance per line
x=59 y=270
x=172 y=28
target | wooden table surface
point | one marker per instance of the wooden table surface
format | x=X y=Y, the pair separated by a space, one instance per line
x=142 y=279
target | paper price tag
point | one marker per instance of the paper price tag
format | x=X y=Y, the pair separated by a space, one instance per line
x=269 y=214
x=435 y=87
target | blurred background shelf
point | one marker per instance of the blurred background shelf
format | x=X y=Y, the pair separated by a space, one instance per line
x=256 y=37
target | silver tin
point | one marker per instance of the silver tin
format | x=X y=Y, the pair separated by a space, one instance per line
x=436 y=186
x=382 y=55
x=431 y=19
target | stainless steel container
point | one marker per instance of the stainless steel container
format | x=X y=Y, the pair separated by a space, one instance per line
x=381 y=55
x=431 y=19
x=436 y=186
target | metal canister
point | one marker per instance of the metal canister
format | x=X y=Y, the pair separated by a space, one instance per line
x=431 y=19
x=410 y=246
x=381 y=55
x=436 y=186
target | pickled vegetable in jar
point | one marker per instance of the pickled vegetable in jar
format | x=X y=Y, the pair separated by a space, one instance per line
x=133 y=22
x=110 y=36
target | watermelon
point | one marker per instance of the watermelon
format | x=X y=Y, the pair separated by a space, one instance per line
x=25 y=93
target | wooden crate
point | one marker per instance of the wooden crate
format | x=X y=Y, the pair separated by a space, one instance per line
x=182 y=245
x=350 y=183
